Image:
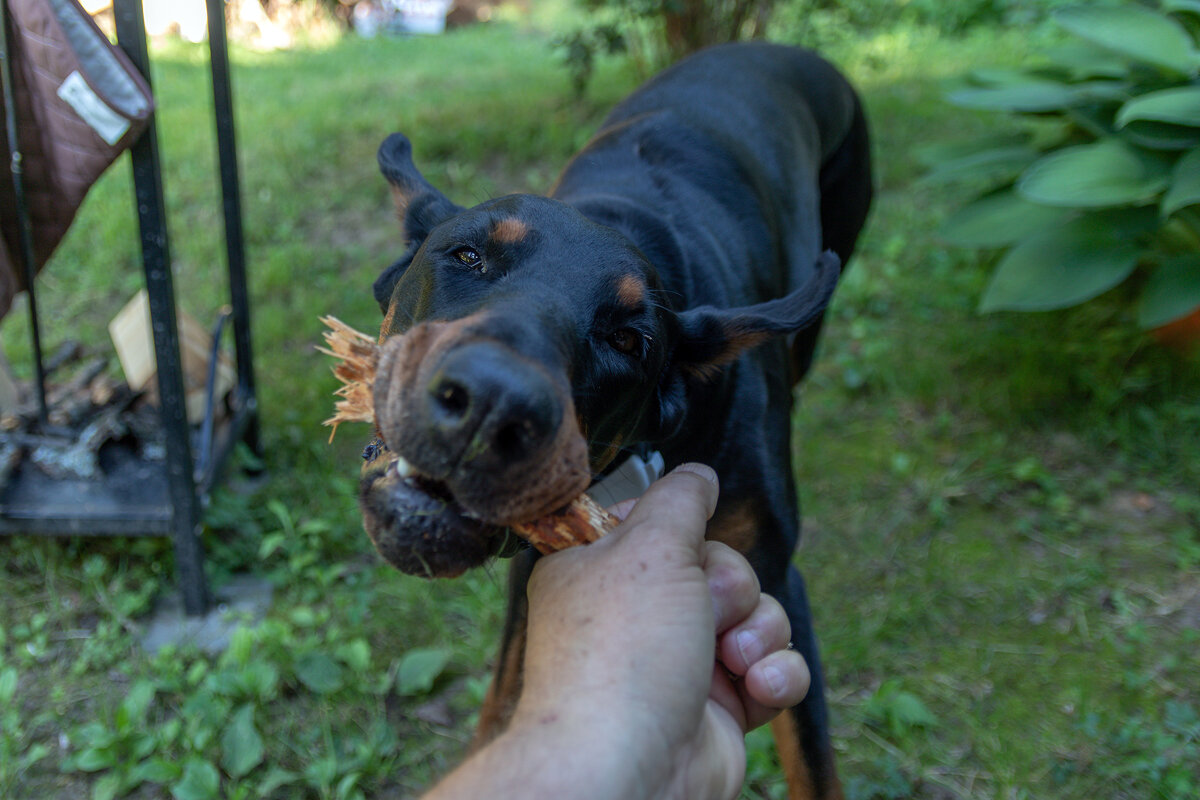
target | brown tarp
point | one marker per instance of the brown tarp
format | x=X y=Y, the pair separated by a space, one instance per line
x=79 y=104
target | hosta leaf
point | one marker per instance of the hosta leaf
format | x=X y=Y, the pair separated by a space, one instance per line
x=419 y=669
x=1062 y=266
x=1085 y=60
x=1001 y=164
x=1095 y=120
x=1172 y=291
x=1166 y=119
x=997 y=220
x=1105 y=173
x=997 y=76
x=1139 y=33
x=1103 y=91
x=1179 y=106
x=1029 y=95
x=938 y=153
x=1185 y=184
x=1160 y=135
x=1185 y=6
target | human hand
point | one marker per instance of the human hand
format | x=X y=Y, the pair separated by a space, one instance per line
x=620 y=676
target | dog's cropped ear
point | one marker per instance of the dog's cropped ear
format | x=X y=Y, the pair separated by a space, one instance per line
x=709 y=338
x=419 y=206
x=706 y=339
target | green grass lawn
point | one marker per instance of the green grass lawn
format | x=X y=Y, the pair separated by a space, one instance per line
x=1001 y=512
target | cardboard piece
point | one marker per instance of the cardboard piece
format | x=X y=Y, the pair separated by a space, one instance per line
x=133 y=338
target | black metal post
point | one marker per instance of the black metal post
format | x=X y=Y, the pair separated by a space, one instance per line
x=152 y=220
x=231 y=197
x=25 y=232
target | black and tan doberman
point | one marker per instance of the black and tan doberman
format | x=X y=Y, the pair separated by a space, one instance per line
x=668 y=292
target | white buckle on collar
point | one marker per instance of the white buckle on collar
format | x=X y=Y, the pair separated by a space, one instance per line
x=630 y=479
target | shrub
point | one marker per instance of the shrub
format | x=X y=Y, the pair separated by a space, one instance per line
x=1103 y=182
x=658 y=32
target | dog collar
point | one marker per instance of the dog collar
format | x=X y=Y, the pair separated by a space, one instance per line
x=629 y=479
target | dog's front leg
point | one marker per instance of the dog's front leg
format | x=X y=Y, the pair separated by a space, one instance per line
x=508 y=678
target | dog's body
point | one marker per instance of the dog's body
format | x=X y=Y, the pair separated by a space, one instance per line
x=669 y=292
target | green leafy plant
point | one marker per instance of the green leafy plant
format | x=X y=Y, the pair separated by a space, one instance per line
x=16 y=754
x=579 y=49
x=1146 y=755
x=419 y=669
x=123 y=747
x=896 y=711
x=1103 y=183
x=657 y=32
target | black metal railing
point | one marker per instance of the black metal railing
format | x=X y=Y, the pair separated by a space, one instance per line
x=136 y=496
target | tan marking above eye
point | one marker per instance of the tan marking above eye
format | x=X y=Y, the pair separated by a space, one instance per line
x=509 y=230
x=630 y=291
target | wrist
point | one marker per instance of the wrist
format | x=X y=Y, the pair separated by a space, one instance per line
x=548 y=753
x=582 y=751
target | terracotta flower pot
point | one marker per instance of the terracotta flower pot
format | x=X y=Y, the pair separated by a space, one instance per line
x=1180 y=334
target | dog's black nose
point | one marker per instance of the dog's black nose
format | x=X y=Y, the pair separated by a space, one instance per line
x=492 y=406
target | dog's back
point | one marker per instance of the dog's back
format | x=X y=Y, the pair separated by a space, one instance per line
x=729 y=160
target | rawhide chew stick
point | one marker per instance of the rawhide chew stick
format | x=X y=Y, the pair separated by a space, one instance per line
x=581 y=521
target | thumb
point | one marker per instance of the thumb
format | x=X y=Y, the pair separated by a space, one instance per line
x=685 y=498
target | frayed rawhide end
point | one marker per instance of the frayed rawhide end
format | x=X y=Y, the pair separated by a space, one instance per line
x=358 y=356
x=582 y=521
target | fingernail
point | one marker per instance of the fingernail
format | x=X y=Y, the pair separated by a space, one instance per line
x=750 y=646
x=703 y=470
x=774 y=678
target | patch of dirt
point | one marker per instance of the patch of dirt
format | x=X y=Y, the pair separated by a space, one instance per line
x=1137 y=505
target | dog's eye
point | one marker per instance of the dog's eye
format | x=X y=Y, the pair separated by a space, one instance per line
x=626 y=341
x=468 y=257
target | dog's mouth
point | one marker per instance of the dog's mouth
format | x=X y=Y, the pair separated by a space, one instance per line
x=444 y=481
x=418 y=526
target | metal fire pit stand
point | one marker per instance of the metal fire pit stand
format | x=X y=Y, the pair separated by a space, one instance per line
x=136 y=497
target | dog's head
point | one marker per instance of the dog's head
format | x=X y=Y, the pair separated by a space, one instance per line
x=537 y=345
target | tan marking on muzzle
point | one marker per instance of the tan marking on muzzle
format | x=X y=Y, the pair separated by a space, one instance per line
x=406 y=365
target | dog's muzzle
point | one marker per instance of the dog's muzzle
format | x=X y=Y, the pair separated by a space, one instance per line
x=477 y=437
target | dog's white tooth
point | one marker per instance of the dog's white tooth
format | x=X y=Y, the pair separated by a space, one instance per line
x=404 y=468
